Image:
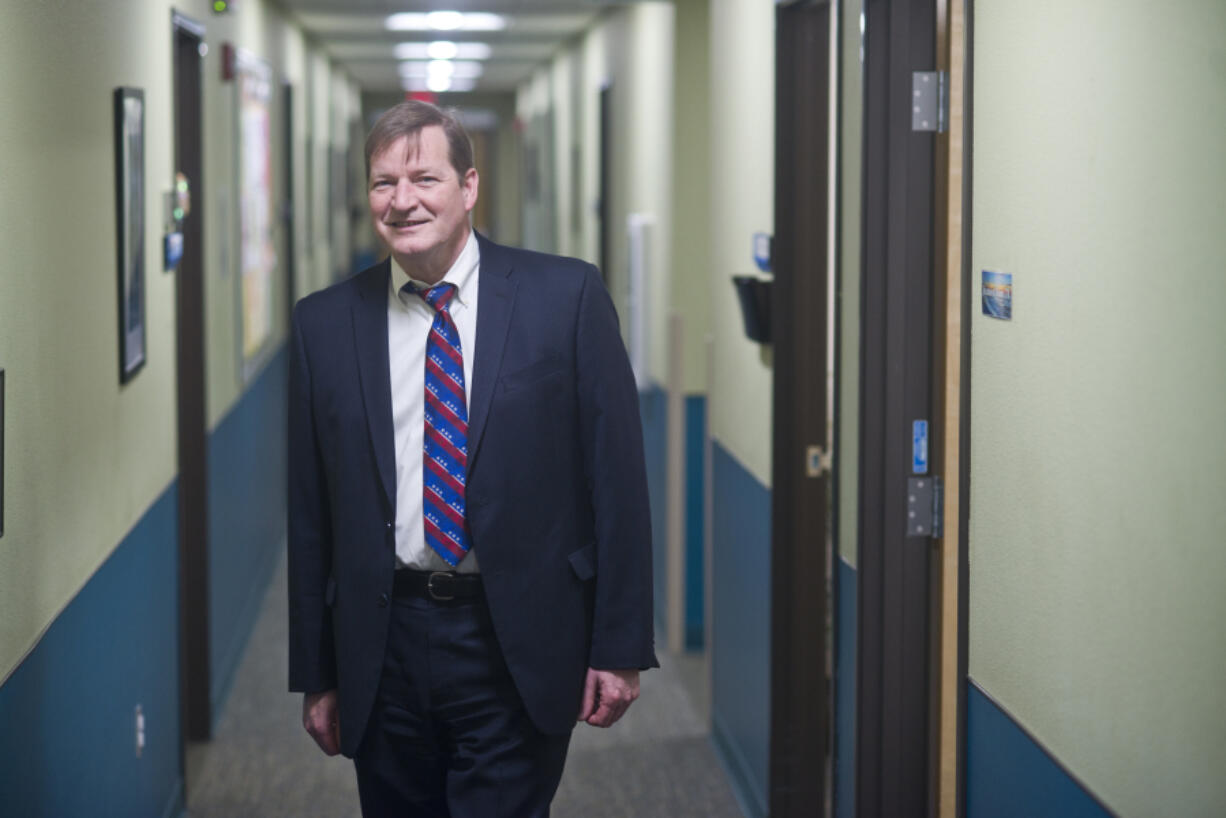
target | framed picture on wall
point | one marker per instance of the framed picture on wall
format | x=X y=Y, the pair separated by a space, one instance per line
x=130 y=227
x=256 y=215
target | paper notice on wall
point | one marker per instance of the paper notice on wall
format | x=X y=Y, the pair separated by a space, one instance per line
x=998 y=295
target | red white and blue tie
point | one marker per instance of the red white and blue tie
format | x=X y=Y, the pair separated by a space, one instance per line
x=446 y=432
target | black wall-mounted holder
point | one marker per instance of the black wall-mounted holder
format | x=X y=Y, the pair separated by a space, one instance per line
x=754 y=295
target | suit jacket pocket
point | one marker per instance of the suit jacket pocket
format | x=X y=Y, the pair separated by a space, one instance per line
x=330 y=592
x=530 y=374
x=583 y=562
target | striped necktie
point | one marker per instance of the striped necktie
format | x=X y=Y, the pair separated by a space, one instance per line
x=446 y=432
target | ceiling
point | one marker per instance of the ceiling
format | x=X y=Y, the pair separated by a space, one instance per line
x=354 y=34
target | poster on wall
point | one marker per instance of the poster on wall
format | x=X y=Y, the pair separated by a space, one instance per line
x=130 y=221
x=257 y=247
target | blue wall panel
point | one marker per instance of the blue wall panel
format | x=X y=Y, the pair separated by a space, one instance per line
x=67 y=713
x=740 y=694
x=247 y=497
x=1009 y=775
x=695 y=440
x=653 y=407
x=845 y=692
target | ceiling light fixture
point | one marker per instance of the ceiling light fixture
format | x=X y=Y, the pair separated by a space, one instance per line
x=437 y=49
x=445 y=21
x=423 y=84
x=462 y=69
x=442 y=50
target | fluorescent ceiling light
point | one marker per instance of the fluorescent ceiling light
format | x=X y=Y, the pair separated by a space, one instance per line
x=423 y=84
x=406 y=21
x=484 y=21
x=443 y=50
x=445 y=21
x=463 y=69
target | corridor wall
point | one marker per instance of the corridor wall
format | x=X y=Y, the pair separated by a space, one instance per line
x=1096 y=655
x=630 y=52
x=89 y=567
x=742 y=171
x=847 y=410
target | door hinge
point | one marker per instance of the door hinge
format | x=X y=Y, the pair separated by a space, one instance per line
x=930 y=101
x=817 y=461
x=925 y=507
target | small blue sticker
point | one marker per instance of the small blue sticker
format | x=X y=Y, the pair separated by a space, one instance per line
x=919 y=447
x=762 y=251
x=172 y=250
x=998 y=295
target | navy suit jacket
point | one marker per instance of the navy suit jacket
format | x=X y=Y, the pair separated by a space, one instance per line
x=556 y=487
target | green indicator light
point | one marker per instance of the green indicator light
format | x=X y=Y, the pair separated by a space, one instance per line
x=178 y=214
x=219 y=5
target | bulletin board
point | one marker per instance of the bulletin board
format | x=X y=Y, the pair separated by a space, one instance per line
x=257 y=244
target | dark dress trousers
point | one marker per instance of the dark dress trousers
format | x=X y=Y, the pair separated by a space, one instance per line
x=556 y=487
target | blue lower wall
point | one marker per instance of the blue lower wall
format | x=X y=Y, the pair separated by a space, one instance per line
x=67 y=713
x=653 y=409
x=247 y=499
x=1009 y=775
x=740 y=658
x=845 y=692
x=695 y=518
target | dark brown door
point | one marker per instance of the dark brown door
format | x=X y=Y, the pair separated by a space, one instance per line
x=189 y=325
x=892 y=697
x=800 y=701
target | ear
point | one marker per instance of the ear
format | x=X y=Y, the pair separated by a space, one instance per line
x=469 y=186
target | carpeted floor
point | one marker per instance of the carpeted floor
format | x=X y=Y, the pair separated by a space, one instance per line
x=656 y=763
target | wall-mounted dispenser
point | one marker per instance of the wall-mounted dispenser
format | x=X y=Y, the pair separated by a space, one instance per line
x=754 y=295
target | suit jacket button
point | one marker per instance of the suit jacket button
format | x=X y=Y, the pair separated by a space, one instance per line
x=382 y=600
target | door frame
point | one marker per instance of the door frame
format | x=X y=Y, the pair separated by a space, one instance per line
x=895 y=572
x=801 y=548
x=187 y=37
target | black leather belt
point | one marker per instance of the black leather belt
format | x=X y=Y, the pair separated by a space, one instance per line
x=442 y=586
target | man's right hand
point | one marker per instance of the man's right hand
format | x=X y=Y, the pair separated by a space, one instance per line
x=319 y=717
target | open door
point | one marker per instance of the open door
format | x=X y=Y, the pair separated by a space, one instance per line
x=897 y=558
x=189 y=325
x=801 y=547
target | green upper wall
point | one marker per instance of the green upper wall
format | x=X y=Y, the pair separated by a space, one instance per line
x=851 y=131
x=630 y=51
x=70 y=427
x=1096 y=527
x=742 y=72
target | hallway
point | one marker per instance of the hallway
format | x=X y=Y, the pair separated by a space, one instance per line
x=658 y=761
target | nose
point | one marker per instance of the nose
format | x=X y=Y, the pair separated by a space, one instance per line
x=403 y=197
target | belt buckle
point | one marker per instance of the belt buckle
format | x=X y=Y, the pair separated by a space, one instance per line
x=430 y=586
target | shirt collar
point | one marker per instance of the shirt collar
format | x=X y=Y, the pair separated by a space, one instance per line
x=461 y=274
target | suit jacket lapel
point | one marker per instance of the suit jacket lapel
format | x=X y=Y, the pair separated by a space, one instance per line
x=495 y=302
x=370 y=339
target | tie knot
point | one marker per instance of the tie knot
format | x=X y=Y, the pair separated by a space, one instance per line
x=439 y=296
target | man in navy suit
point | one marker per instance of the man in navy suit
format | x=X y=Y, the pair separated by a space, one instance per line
x=469 y=538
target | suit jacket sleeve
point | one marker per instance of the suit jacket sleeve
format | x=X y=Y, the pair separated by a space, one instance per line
x=612 y=442
x=312 y=659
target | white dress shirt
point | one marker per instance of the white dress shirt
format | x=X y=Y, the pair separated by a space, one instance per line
x=409 y=319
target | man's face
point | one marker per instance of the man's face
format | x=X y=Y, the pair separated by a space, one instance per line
x=420 y=204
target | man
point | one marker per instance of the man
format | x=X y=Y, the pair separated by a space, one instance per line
x=469 y=542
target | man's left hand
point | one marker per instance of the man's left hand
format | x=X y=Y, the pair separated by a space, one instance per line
x=607 y=695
